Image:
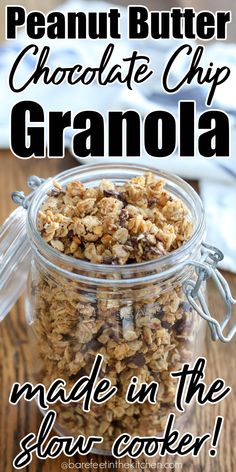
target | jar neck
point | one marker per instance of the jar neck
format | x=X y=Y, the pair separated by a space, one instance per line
x=131 y=274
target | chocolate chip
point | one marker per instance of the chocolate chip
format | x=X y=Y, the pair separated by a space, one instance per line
x=118 y=424
x=166 y=325
x=185 y=306
x=109 y=193
x=138 y=359
x=159 y=314
x=93 y=345
x=110 y=260
x=56 y=192
x=122 y=197
x=107 y=259
x=179 y=326
x=134 y=241
x=152 y=202
x=157 y=250
x=119 y=195
x=70 y=235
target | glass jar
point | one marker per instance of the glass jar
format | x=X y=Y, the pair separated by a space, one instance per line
x=142 y=318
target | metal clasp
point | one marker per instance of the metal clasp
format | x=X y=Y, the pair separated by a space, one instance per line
x=206 y=269
x=23 y=200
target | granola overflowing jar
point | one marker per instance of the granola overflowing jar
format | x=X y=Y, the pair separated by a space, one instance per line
x=135 y=314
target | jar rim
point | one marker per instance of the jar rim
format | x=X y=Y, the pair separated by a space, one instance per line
x=57 y=261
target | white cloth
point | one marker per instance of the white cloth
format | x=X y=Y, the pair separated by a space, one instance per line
x=219 y=201
x=218 y=176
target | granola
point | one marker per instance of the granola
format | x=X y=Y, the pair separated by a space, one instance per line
x=146 y=334
x=111 y=224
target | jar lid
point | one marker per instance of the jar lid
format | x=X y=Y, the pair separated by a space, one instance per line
x=14 y=259
x=15 y=251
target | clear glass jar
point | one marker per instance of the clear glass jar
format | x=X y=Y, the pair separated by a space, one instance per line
x=136 y=316
x=139 y=317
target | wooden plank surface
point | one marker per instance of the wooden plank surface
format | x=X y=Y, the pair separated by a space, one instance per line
x=17 y=421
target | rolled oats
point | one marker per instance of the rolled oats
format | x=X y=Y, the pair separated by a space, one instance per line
x=134 y=223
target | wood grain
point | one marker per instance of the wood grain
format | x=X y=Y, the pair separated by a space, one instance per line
x=17 y=421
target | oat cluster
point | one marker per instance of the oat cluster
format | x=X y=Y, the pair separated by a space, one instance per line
x=111 y=224
x=146 y=334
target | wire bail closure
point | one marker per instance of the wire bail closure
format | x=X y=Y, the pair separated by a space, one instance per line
x=205 y=269
x=20 y=198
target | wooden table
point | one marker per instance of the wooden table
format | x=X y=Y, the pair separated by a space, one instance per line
x=17 y=421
